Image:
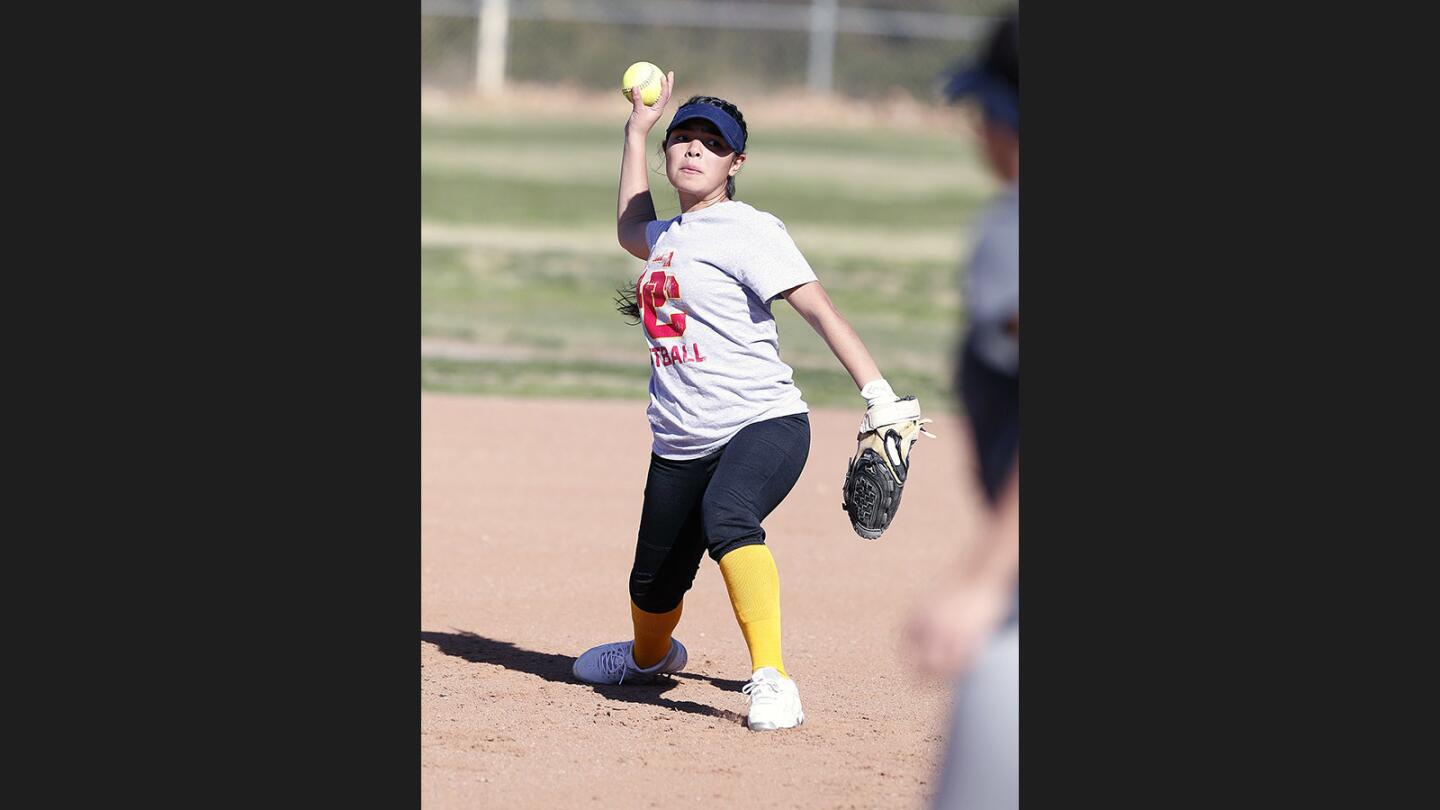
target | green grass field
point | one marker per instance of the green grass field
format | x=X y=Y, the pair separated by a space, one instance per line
x=518 y=260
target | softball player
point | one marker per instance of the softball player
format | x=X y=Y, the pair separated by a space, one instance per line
x=955 y=630
x=731 y=431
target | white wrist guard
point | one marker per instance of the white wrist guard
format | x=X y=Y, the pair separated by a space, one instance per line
x=877 y=391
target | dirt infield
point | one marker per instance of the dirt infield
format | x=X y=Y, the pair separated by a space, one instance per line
x=528 y=516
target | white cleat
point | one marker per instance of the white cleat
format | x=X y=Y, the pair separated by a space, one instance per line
x=774 y=701
x=615 y=664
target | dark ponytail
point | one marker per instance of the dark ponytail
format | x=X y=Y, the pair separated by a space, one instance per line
x=627 y=304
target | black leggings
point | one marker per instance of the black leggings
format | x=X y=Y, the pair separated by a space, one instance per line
x=713 y=503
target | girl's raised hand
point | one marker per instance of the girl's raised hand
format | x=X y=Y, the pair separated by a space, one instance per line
x=642 y=117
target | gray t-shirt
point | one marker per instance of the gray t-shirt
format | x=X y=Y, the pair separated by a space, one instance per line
x=992 y=285
x=705 y=309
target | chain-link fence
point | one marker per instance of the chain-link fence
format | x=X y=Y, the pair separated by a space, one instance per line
x=859 y=48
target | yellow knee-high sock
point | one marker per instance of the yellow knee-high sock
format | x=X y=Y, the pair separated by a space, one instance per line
x=652 y=633
x=754 y=586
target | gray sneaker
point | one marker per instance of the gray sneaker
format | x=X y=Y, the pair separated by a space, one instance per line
x=614 y=664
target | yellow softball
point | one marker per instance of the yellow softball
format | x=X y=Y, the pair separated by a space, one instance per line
x=645 y=76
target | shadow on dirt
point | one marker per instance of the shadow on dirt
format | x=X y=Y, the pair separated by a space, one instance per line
x=720 y=683
x=556 y=668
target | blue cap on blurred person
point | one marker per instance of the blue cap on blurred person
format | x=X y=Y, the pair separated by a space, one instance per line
x=729 y=127
x=994 y=78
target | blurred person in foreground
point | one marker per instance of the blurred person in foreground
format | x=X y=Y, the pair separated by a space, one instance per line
x=969 y=626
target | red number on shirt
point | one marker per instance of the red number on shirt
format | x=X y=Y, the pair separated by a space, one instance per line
x=653 y=294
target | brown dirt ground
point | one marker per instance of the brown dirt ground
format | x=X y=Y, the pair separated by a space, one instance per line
x=529 y=512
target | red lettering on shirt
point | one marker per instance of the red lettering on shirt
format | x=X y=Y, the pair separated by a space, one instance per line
x=676 y=355
x=653 y=294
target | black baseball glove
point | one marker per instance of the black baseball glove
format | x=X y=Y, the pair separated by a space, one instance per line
x=875 y=477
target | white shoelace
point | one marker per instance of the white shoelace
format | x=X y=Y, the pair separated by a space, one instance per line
x=762 y=691
x=614 y=660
